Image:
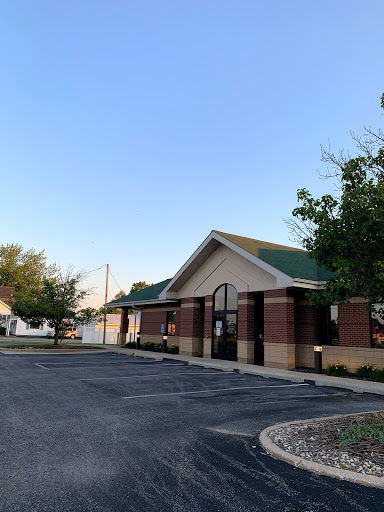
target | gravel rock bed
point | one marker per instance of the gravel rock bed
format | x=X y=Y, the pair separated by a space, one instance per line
x=318 y=441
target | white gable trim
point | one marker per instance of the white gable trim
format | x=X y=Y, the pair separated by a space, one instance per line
x=283 y=280
x=5 y=305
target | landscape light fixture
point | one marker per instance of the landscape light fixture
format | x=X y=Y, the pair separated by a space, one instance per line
x=164 y=348
x=318 y=350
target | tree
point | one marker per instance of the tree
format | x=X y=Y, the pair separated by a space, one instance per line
x=344 y=232
x=23 y=269
x=117 y=311
x=140 y=285
x=56 y=302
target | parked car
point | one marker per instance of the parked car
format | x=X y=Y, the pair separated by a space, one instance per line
x=70 y=333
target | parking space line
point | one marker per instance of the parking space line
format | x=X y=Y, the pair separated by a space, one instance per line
x=111 y=363
x=152 y=375
x=214 y=390
x=41 y=366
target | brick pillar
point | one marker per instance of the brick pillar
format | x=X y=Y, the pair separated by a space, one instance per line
x=305 y=333
x=279 y=329
x=124 y=325
x=354 y=324
x=191 y=342
x=246 y=328
x=208 y=326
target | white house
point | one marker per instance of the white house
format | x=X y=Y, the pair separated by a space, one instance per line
x=94 y=332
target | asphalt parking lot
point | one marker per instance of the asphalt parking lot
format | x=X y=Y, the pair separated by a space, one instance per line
x=108 y=432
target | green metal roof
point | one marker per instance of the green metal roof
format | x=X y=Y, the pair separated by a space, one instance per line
x=151 y=292
x=294 y=262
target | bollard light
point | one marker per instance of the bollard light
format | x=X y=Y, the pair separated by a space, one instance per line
x=165 y=340
x=318 y=351
x=138 y=344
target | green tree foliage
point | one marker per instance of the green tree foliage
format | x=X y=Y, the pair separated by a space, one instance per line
x=140 y=285
x=116 y=311
x=344 y=232
x=23 y=269
x=56 y=302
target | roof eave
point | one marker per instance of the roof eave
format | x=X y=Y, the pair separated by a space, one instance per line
x=133 y=304
x=282 y=280
x=310 y=285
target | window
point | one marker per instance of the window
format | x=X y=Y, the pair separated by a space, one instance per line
x=171 y=323
x=327 y=325
x=377 y=326
x=225 y=298
x=33 y=325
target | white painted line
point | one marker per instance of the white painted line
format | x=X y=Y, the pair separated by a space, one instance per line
x=149 y=376
x=109 y=364
x=230 y=432
x=41 y=366
x=213 y=390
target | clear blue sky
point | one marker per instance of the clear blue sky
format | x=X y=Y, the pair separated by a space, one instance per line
x=130 y=129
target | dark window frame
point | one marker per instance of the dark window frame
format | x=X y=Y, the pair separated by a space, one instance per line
x=373 y=344
x=171 y=324
x=326 y=336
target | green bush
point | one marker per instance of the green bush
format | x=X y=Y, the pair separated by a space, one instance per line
x=130 y=344
x=337 y=370
x=378 y=375
x=355 y=433
x=366 y=370
x=173 y=349
x=151 y=346
x=2 y=331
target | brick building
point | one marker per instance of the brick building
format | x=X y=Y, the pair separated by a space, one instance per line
x=245 y=300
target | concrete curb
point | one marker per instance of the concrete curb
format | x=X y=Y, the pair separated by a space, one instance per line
x=222 y=367
x=158 y=357
x=320 y=469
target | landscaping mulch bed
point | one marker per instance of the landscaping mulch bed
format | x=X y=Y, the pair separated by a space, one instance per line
x=319 y=441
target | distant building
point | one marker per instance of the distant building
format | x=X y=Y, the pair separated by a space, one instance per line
x=94 y=332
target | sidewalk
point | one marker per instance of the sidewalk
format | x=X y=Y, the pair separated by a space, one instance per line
x=358 y=386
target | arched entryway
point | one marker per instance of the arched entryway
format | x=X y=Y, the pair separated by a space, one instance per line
x=224 y=323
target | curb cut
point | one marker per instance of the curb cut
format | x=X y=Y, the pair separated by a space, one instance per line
x=320 y=469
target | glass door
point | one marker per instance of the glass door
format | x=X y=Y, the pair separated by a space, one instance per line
x=230 y=337
x=218 y=336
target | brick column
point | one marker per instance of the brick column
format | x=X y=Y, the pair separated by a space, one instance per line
x=354 y=324
x=124 y=325
x=191 y=342
x=246 y=328
x=279 y=329
x=304 y=333
x=208 y=326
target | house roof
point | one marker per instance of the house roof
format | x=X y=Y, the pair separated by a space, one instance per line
x=6 y=293
x=294 y=262
x=149 y=293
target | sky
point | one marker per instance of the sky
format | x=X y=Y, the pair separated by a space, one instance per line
x=131 y=129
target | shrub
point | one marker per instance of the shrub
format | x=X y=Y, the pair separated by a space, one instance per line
x=337 y=370
x=151 y=346
x=378 y=375
x=366 y=370
x=173 y=349
x=2 y=331
x=355 y=433
x=130 y=344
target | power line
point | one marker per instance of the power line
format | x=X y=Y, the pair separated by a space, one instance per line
x=120 y=288
x=102 y=266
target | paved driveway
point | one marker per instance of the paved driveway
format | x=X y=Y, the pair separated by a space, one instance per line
x=109 y=432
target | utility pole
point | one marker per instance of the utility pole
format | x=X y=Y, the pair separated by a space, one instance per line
x=106 y=300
